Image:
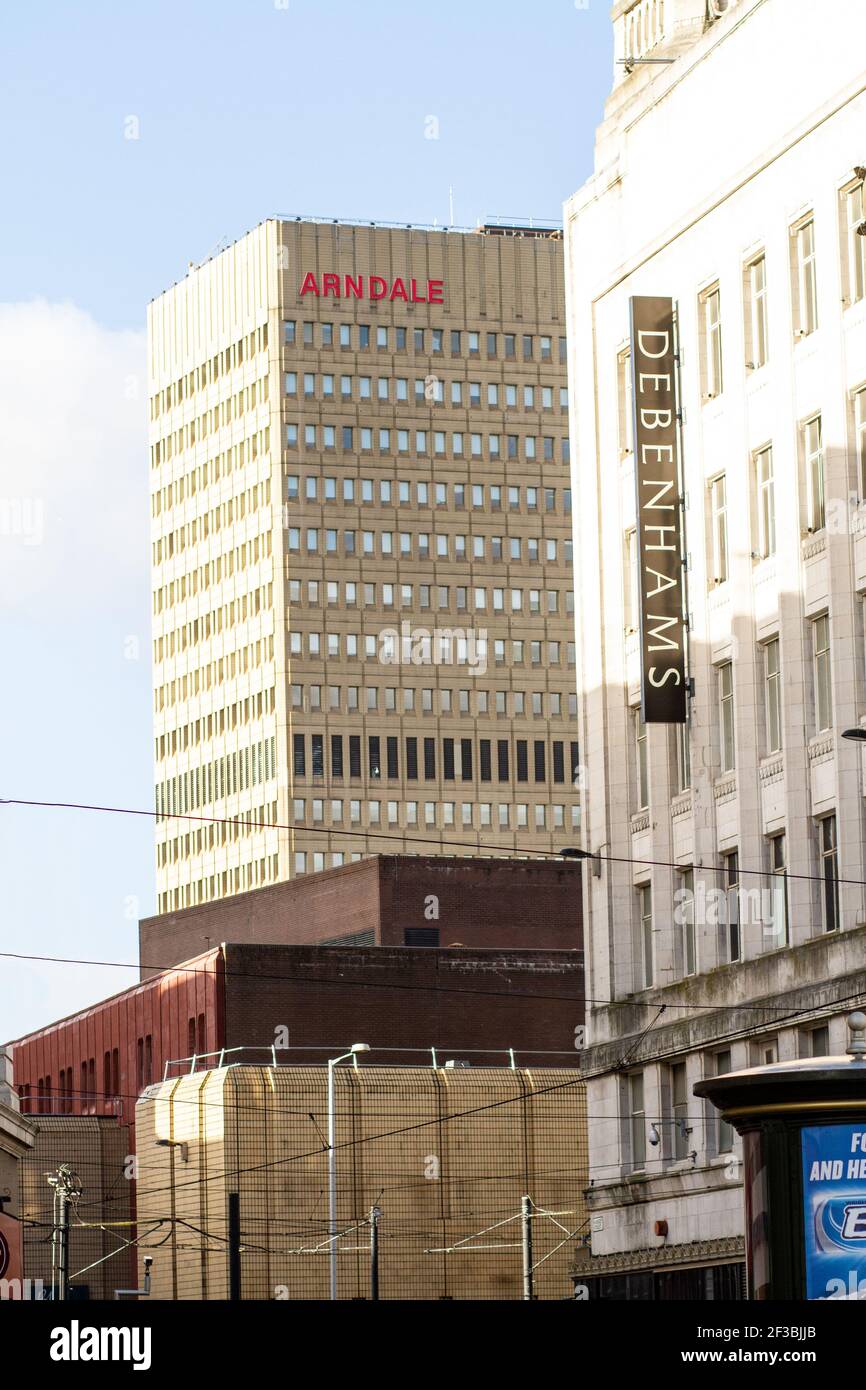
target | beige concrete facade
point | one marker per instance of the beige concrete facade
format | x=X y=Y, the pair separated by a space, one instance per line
x=445 y=1154
x=729 y=178
x=326 y=469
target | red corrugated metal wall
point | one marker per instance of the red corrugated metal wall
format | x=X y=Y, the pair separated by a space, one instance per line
x=97 y=1062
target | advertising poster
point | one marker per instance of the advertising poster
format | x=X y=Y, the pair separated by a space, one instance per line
x=834 y=1201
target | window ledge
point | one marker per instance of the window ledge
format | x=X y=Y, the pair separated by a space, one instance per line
x=772 y=768
x=822 y=747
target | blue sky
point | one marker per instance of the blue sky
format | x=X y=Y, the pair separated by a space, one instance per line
x=240 y=110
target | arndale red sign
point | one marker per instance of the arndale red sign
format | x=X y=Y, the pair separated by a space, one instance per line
x=373 y=287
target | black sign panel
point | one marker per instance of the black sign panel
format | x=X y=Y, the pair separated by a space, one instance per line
x=658 y=511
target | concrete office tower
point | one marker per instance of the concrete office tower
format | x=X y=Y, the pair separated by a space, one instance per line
x=362 y=569
x=729 y=177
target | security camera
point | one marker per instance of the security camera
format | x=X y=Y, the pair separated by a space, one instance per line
x=148 y=1261
x=654 y=1136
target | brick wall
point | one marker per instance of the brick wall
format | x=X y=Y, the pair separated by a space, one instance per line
x=475 y=902
x=406 y=997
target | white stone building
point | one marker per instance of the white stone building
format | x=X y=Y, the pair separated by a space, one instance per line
x=730 y=880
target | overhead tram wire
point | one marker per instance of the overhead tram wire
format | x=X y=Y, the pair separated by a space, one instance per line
x=521 y=851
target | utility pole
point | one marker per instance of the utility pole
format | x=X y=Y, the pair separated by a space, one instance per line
x=67 y=1188
x=526 y=1230
x=375 y=1213
x=234 y=1245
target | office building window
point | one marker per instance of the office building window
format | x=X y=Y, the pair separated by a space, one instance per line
x=805 y=283
x=775 y=913
x=719 y=509
x=823 y=678
x=680 y=1110
x=644 y=954
x=860 y=433
x=722 y=1064
x=819 y=1041
x=855 y=242
x=624 y=396
x=637 y=1122
x=757 y=340
x=828 y=854
x=731 y=881
x=813 y=459
x=711 y=323
x=773 y=695
x=631 y=582
x=766 y=500
x=686 y=915
x=682 y=758
x=642 y=762
x=726 y=711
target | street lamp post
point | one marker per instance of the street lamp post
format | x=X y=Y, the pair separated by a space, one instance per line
x=333 y=1063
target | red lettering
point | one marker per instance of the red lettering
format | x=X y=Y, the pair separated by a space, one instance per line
x=354 y=286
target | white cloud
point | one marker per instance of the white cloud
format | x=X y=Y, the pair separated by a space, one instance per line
x=74 y=500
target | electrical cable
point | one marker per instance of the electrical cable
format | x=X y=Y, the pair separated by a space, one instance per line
x=417 y=839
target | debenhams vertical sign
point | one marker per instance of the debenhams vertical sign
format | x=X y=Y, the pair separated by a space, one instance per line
x=659 y=517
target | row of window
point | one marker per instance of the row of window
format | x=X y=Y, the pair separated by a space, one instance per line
x=186 y=436
x=199 y=580
x=460 y=759
x=763 y=494
x=803 y=281
x=822 y=676
x=233 y=509
x=215 y=620
x=429 y=341
x=493 y=497
x=193 y=532
x=447 y=646
x=352 y=594
x=757 y=908
x=239 y=828
x=211 y=675
x=423 y=545
x=669 y=1132
x=420 y=443
x=221 y=885
x=443 y=814
x=426 y=390
x=212 y=725
x=517 y=704
x=224 y=776
x=210 y=370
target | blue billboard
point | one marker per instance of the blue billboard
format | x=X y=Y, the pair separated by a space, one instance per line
x=834 y=1210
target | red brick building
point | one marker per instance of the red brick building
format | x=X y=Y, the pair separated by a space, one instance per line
x=386 y=900
x=468 y=1003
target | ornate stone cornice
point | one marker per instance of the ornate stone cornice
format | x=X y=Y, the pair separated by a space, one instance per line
x=693 y=1252
x=681 y=805
x=814 y=545
x=772 y=769
x=821 y=748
